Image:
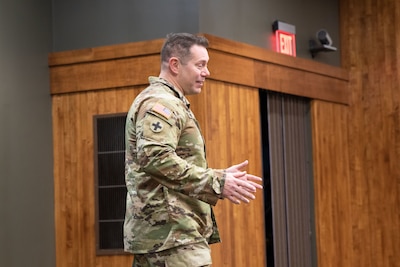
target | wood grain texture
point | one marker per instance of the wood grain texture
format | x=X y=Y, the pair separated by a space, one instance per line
x=100 y=75
x=332 y=194
x=232 y=132
x=100 y=68
x=74 y=174
x=136 y=49
x=370 y=34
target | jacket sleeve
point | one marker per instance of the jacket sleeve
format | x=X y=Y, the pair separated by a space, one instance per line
x=159 y=129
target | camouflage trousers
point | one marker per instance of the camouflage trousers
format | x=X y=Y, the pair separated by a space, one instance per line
x=194 y=255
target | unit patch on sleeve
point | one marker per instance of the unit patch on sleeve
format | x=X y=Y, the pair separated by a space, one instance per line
x=157 y=126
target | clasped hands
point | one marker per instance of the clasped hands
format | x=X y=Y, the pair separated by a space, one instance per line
x=239 y=185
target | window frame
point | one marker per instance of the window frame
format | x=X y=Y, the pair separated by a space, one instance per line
x=101 y=250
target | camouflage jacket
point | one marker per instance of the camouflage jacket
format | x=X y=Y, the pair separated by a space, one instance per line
x=170 y=188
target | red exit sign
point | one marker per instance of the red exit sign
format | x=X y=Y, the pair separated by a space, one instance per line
x=285 y=37
x=285 y=42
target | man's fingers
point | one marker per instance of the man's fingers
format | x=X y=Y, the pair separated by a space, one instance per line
x=233 y=199
x=239 y=175
x=242 y=164
x=237 y=167
x=247 y=185
x=241 y=187
x=237 y=198
x=242 y=194
x=259 y=186
x=253 y=177
x=245 y=194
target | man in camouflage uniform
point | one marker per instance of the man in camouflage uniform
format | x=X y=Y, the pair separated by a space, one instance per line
x=169 y=220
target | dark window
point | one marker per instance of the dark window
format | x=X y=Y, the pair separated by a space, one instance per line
x=109 y=132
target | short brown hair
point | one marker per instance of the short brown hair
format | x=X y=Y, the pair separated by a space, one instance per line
x=179 y=44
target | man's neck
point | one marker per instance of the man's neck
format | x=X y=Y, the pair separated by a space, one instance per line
x=171 y=80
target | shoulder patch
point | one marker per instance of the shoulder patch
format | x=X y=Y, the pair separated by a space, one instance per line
x=162 y=110
x=157 y=126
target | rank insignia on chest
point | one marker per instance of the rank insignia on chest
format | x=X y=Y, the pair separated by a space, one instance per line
x=157 y=126
x=162 y=110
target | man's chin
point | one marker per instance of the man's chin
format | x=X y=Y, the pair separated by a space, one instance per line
x=195 y=91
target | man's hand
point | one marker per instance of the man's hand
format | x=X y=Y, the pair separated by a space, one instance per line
x=240 y=186
x=238 y=167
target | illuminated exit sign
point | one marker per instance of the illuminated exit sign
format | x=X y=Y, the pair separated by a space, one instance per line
x=285 y=43
x=285 y=38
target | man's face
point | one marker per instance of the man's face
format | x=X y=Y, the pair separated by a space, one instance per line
x=193 y=73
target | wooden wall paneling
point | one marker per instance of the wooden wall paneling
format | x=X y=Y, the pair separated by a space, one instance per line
x=74 y=174
x=231 y=68
x=307 y=84
x=116 y=101
x=370 y=36
x=243 y=50
x=233 y=62
x=249 y=123
x=232 y=135
x=68 y=185
x=216 y=134
x=60 y=187
x=67 y=207
x=332 y=183
x=105 y=80
x=103 y=74
x=275 y=77
x=136 y=49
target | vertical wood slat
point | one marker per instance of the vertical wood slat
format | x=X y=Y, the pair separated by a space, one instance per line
x=232 y=132
x=74 y=174
x=332 y=185
x=370 y=36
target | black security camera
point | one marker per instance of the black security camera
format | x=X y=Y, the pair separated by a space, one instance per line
x=324 y=43
x=324 y=37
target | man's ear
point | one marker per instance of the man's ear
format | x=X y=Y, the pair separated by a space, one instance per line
x=174 y=64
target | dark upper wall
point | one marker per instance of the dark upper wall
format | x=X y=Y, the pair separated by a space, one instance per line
x=26 y=180
x=82 y=24
x=250 y=22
